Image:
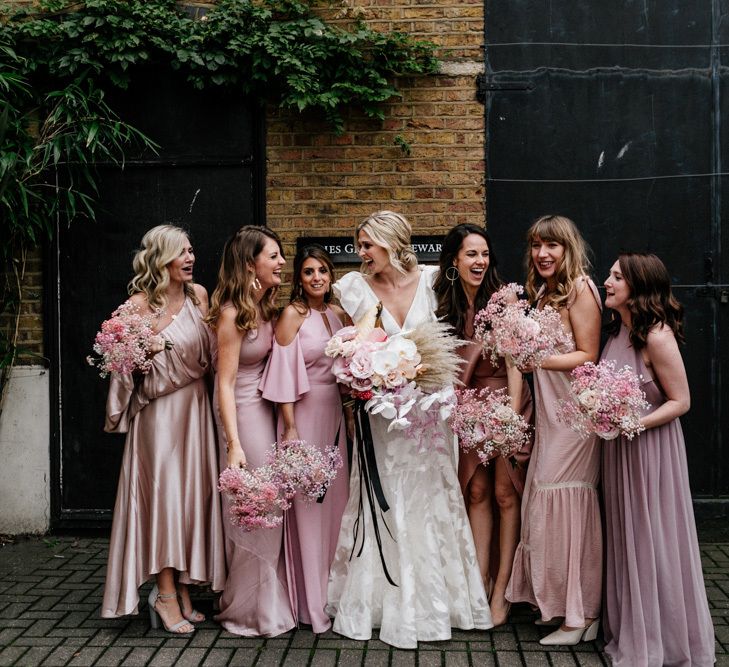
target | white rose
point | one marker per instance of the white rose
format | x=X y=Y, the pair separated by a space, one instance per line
x=588 y=399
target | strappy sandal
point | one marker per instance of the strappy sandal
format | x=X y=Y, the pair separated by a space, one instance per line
x=193 y=616
x=155 y=618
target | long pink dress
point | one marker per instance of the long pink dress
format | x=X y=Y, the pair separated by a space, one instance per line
x=255 y=599
x=167 y=511
x=655 y=610
x=558 y=563
x=300 y=373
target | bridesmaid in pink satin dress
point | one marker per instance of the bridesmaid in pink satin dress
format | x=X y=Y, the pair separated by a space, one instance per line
x=167 y=516
x=558 y=563
x=255 y=599
x=299 y=378
x=467 y=279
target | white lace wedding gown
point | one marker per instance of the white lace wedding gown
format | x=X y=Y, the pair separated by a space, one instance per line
x=430 y=556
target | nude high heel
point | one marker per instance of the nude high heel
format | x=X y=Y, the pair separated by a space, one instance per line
x=571 y=637
x=154 y=617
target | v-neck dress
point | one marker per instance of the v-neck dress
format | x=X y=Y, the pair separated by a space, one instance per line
x=429 y=549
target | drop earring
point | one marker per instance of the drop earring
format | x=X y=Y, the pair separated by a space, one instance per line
x=452 y=274
x=256 y=283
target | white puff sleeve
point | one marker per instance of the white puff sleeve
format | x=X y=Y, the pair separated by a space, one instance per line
x=354 y=295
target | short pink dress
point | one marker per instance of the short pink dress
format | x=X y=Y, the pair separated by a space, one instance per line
x=167 y=511
x=558 y=563
x=300 y=373
x=655 y=610
x=255 y=599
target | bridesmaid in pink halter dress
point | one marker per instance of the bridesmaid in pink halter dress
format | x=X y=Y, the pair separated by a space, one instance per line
x=299 y=378
x=167 y=516
x=467 y=279
x=655 y=610
x=558 y=563
x=255 y=599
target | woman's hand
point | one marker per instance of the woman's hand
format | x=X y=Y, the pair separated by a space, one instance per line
x=236 y=456
x=290 y=433
x=157 y=343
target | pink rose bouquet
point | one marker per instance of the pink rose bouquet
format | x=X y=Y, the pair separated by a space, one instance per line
x=485 y=421
x=255 y=497
x=301 y=468
x=605 y=401
x=508 y=327
x=124 y=342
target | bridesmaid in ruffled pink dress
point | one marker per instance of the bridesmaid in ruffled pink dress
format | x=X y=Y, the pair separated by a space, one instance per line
x=255 y=599
x=558 y=563
x=467 y=279
x=299 y=378
x=655 y=610
x=167 y=517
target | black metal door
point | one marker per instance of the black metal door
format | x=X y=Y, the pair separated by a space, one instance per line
x=206 y=178
x=614 y=114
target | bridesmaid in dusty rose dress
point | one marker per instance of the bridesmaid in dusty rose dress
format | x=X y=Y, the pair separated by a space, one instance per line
x=299 y=378
x=255 y=598
x=655 y=610
x=467 y=279
x=558 y=563
x=167 y=517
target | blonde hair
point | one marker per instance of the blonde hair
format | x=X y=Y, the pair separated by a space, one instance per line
x=160 y=246
x=574 y=265
x=390 y=231
x=235 y=279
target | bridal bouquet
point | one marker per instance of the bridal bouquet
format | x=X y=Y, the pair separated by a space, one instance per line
x=512 y=329
x=485 y=421
x=259 y=497
x=407 y=378
x=606 y=401
x=124 y=342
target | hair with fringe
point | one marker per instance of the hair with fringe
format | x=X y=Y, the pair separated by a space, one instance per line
x=235 y=278
x=298 y=295
x=651 y=300
x=160 y=246
x=575 y=262
x=390 y=231
x=452 y=301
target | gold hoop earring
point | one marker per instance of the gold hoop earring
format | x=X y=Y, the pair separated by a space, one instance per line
x=452 y=277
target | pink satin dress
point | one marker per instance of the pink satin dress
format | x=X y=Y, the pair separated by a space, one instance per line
x=558 y=563
x=167 y=511
x=655 y=610
x=255 y=600
x=300 y=373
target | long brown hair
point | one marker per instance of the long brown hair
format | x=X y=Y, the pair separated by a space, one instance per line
x=235 y=278
x=651 y=300
x=575 y=262
x=298 y=296
x=452 y=301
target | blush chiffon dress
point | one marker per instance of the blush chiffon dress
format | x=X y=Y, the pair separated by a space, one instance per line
x=300 y=373
x=255 y=599
x=655 y=610
x=167 y=511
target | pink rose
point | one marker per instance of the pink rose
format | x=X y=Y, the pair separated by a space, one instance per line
x=376 y=336
x=360 y=365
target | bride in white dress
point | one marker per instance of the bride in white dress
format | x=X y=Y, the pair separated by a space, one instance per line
x=426 y=544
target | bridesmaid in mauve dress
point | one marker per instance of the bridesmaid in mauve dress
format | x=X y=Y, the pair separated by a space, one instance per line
x=167 y=517
x=299 y=378
x=558 y=563
x=255 y=599
x=655 y=610
x=467 y=279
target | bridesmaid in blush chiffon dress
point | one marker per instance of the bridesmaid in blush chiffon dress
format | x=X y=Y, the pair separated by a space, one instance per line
x=558 y=563
x=255 y=599
x=465 y=283
x=655 y=610
x=167 y=516
x=299 y=378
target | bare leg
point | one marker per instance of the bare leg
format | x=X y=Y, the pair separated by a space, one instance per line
x=478 y=504
x=186 y=607
x=168 y=607
x=508 y=503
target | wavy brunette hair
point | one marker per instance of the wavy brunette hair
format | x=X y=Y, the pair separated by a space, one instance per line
x=452 y=301
x=235 y=278
x=160 y=246
x=392 y=232
x=651 y=300
x=298 y=296
x=575 y=262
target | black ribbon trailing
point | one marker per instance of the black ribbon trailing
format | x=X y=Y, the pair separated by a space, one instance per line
x=335 y=446
x=369 y=478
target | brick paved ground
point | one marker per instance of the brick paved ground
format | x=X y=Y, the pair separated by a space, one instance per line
x=50 y=590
